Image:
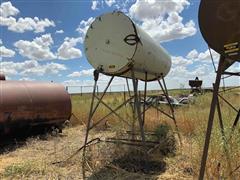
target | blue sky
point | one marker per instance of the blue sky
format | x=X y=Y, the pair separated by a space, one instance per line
x=43 y=39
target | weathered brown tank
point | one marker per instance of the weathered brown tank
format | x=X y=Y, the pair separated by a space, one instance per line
x=25 y=103
x=2 y=77
x=220 y=27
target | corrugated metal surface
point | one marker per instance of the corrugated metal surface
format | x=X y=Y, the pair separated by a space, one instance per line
x=114 y=44
x=33 y=103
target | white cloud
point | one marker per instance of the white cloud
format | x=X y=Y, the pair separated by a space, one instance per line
x=235 y=67
x=110 y=2
x=68 y=51
x=85 y=72
x=203 y=56
x=26 y=79
x=192 y=54
x=75 y=74
x=40 y=70
x=116 y=4
x=162 y=20
x=83 y=26
x=38 y=49
x=59 y=31
x=195 y=64
x=187 y=73
x=30 y=67
x=94 y=5
x=7 y=9
x=73 y=82
x=7 y=13
x=5 y=52
x=179 y=60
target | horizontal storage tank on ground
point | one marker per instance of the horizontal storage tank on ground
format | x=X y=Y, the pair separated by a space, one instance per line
x=114 y=44
x=25 y=103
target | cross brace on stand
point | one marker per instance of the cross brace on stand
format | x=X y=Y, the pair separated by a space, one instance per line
x=138 y=111
x=215 y=104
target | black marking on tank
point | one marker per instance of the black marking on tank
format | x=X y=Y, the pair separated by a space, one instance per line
x=131 y=39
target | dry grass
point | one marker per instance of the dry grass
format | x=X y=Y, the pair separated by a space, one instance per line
x=34 y=159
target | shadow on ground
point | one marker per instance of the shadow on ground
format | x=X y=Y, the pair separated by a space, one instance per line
x=133 y=165
x=14 y=140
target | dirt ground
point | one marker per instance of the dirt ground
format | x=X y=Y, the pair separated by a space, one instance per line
x=36 y=157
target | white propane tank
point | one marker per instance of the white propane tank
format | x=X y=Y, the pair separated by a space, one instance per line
x=114 y=44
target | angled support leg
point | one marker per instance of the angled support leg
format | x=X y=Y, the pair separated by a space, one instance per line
x=225 y=146
x=145 y=96
x=234 y=124
x=96 y=76
x=165 y=91
x=91 y=113
x=133 y=110
x=137 y=105
x=210 y=120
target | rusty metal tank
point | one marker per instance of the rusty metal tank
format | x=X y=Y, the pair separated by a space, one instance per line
x=24 y=103
x=220 y=27
x=2 y=77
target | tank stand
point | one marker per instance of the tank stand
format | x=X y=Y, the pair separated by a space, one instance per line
x=165 y=92
x=135 y=101
x=215 y=104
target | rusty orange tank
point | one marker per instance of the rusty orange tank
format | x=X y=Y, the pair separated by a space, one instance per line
x=2 y=77
x=24 y=103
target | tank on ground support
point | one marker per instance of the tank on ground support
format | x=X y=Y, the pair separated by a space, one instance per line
x=28 y=104
x=114 y=45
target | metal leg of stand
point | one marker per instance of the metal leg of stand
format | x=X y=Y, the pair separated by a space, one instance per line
x=110 y=113
x=145 y=96
x=224 y=137
x=103 y=94
x=96 y=74
x=236 y=120
x=165 y=91
x=113 y=111
x=133 y=111
x=234 y=124
x=211 y=118
x=137 y=106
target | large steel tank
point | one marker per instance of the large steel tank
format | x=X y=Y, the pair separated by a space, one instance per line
x=2 y=77
x=25 y=103
x=114 y=44
x=219 y=22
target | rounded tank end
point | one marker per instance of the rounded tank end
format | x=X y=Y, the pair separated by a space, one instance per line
x=2 y=77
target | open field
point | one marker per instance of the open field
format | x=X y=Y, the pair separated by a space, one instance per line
x=33 y=158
